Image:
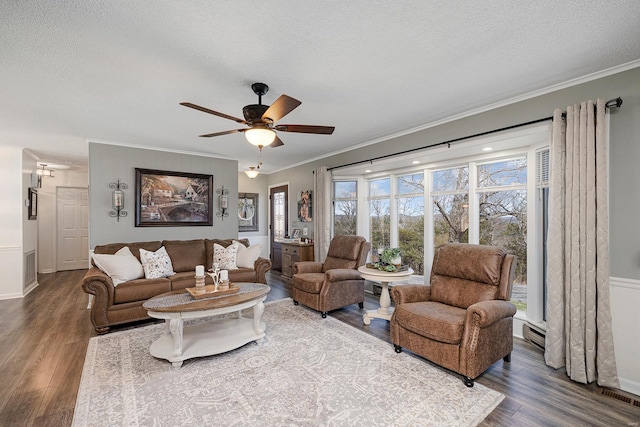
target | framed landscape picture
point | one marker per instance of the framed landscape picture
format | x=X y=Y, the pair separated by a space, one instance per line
x=247 y=211
x=171 y=199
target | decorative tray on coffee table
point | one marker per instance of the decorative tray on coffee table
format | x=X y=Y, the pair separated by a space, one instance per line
x=210 y=291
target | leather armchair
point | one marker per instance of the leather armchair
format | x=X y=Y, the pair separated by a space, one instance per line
x=463 y=319
x=336 y=282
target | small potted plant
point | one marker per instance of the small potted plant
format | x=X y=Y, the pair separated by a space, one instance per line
x=391 y=256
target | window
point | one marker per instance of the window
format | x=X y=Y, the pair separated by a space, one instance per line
x=450 y=198
x=502 y=215
x=410 y=203
x=345 y=207
x=379 y=211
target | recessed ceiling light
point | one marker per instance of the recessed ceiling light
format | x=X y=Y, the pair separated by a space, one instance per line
x=415 y=162
x=367 y=171
x=487 y=149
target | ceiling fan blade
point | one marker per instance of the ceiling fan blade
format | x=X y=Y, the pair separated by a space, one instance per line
x=283 y=106
x=226 y=132
x=322 y=130
x=277 y=142
x=215 y=113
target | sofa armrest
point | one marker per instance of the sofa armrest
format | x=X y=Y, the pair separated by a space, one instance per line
x=261 y=266
x=339 y=274
x=485 y=313
x=307 y=267
x=403 y=294
x=100 y=285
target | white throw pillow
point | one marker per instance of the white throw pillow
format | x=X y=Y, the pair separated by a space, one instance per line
x=225 y=257
x=156 y=264
x=247 y=256
x=121 y=266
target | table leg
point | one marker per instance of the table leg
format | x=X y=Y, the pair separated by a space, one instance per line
x=384 y=311
x=176 y=326
x=385 y=299
x=258 y=326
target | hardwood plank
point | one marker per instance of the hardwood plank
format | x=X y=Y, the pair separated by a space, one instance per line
x=44 y=337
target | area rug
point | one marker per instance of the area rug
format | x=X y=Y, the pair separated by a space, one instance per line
x=309 y=371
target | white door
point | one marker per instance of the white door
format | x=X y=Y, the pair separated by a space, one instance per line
x=73 y=228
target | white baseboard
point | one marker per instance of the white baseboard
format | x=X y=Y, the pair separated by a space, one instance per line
x=630 y=386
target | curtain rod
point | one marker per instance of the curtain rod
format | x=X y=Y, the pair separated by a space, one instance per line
x=612 y=103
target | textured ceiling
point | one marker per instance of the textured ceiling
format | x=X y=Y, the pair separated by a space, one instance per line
x=115 y=71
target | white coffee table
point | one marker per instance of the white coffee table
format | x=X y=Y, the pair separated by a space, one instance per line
x=384 y=278
x=180 y=342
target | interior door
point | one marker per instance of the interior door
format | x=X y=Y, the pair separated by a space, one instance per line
x=279 y=223
x=73 y=228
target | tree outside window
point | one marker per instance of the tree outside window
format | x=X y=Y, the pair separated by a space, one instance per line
x=345 y=208
x=410 y=191
x=379 y=210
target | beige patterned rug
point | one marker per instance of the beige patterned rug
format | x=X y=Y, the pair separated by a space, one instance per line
x=308 y=372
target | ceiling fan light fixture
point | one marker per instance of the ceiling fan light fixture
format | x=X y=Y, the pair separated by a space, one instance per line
x=259 y=136
x=252 y=172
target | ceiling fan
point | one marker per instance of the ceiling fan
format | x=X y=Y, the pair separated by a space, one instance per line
x=261 y=119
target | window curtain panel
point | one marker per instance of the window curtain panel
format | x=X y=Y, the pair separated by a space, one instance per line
x=579 y=332
x=322 y=213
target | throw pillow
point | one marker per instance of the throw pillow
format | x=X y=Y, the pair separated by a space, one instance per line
x=156 y=264
x=246 y=257
x=121 y=266
x=225 y=257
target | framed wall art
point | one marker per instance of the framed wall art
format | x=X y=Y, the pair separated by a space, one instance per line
x=173 y=199
x=247 y=211
x=304 y=206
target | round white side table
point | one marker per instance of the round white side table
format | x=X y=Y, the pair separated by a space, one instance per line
x=384 y=278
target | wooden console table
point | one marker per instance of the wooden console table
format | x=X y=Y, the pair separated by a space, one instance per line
x=292 y=253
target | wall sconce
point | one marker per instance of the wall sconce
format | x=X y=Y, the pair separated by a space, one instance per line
x=117 y=199
x=223 y=202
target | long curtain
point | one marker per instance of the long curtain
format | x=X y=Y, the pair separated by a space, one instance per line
x=579 y=332
x=322 y=213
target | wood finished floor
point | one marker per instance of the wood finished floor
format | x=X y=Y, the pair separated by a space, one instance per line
x=44 y=337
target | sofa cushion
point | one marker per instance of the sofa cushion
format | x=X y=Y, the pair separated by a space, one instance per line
x=309 y=282
x=121 y=266
x=239 y=275
x=222 y=242
x=156 y=264
x=140 y=290
x=112 y=248
x=225 y=257
x=246 y=257
x=187 y=279
x=433 y=320
x=186 y=254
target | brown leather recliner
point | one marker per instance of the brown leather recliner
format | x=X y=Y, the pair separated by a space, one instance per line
x=463 y=319
x=336 y=282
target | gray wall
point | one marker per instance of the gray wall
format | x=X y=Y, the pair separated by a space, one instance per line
x=108 y=163
x=624 y=164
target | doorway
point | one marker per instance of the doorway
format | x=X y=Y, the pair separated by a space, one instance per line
x=278 y=223
x=72 y=228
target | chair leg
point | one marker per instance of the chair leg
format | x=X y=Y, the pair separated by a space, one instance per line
x=361 y=305
x=324 y=314
x=397 y=348
x=295 y=302
x=468 y=381
x=507 y=358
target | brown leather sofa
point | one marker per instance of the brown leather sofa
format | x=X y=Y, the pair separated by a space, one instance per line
x=463 y=319
x=123 y=303
x=336 y=282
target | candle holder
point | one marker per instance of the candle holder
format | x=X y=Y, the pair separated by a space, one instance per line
x=200 y=288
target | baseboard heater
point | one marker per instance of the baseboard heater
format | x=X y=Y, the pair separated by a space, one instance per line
x=534 y=335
